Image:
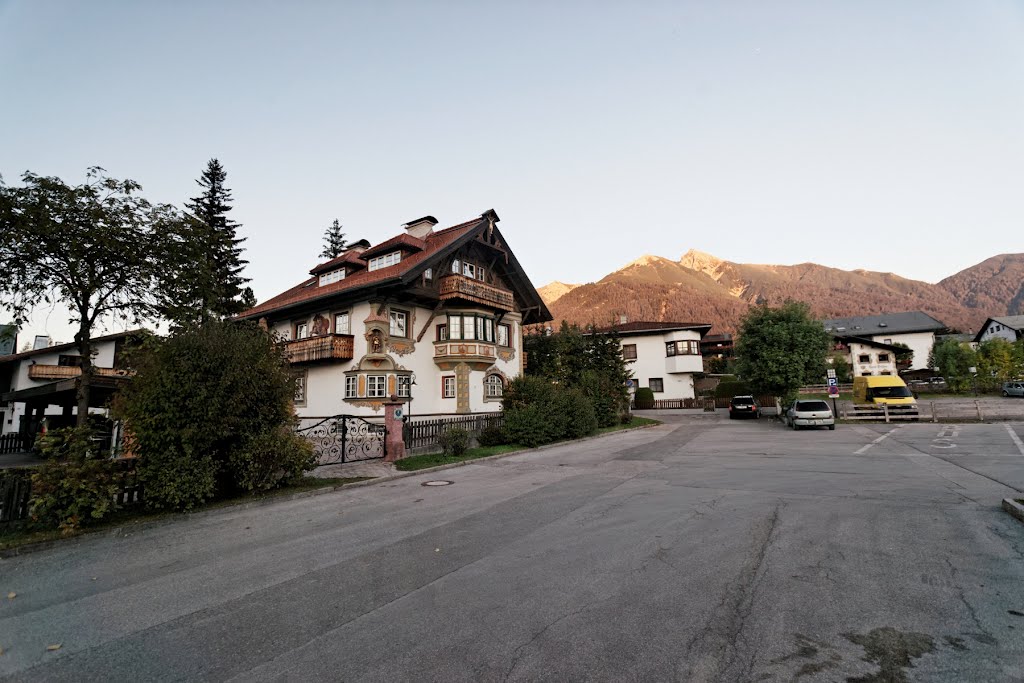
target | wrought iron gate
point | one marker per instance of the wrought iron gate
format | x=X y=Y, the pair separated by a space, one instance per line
x=344 y=438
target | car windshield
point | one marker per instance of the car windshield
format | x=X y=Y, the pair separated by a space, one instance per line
x=890 y=392
x=810 y=406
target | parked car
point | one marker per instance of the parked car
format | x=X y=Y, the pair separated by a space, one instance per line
x=810 y=414
x=744 y=406
x=1015 y=388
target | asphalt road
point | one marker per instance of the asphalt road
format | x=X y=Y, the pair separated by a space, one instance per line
x=704 y=550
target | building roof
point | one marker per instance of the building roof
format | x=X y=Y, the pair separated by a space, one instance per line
x=887 y=323
x=646 y=327
x=431 y=248
x=70 y=346
x=867 y=341
x=349 y=257
x=1014 y=322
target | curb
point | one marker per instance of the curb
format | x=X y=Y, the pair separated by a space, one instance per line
x=1014 y=508
x=269 y=500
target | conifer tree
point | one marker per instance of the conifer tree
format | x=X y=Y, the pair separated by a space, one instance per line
x=334 y=241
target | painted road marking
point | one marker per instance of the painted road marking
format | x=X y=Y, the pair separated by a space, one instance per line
x=1016 y=439
x=883 y=437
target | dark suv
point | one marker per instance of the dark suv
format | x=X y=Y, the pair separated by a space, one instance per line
x=744 y=406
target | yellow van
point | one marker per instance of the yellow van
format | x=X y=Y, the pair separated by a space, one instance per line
x=879 y=389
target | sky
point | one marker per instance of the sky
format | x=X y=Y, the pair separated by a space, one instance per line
x=878 y=135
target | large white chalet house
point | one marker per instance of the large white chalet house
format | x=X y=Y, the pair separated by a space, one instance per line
x=913 y=328
x=429 y=316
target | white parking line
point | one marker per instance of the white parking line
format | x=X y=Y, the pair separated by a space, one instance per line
x=883 y=437
x=1016 y=439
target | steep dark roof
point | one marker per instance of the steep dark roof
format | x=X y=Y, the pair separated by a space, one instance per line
x=888 y=323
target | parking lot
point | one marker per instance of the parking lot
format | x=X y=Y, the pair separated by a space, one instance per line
x=703 y=549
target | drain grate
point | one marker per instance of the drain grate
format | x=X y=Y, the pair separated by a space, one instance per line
x=437 y=482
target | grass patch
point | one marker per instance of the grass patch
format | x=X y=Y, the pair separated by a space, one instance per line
x=420 y=462
x=18 y=535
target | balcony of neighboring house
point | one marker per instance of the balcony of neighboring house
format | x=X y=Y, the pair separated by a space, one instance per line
x=326 y=347
x=447 y=354
x=54 y=372
x=677 y=364
x=460 y=287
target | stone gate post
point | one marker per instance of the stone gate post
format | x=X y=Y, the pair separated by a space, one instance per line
x=394 y=411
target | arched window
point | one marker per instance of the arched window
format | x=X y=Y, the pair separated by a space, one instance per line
x=494 y=386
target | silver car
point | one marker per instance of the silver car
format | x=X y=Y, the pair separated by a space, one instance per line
x=810 y=413
x=1015 y=388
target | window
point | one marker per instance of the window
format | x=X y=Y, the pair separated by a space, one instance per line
x=469 y=270
x=687 y=347
x=300 y=389
x=333 y=276
x=448 y=387
x=883 y=358
x=428 y=276
x=455 y=266
x=69 y=361
x=471 y=327
x=351 y=386
x=888 y=341
x=493 y=386
x=442 y=332
x=504 y=332
x=886 y=372
x=863 y=358
x=301 y=331
x=404 y=385
x=454 y=327
x=481 y=274
x=656 y=384
x=341 y=325
x=398 y=323
x=384 y=261
x=376 y=386
x=629 y=351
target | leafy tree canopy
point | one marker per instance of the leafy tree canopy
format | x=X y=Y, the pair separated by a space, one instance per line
x=334 y=241
x=779 y=350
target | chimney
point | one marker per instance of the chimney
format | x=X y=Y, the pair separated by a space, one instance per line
x=358 y=247
x=41 y=341
x=623 y=319
x=421 y=227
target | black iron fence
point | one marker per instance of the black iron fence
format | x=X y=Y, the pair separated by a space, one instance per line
x=16 y=491
x=422 y=433
x=14 y=443
x=704 y=402
x=344 y=438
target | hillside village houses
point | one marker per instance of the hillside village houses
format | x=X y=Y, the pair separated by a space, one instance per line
x=1008 y=327
x=663 y=356
x=869 y=336
x=430 y=316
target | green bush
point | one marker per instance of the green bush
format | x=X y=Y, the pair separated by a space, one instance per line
x=577 y=414
x=205 y=413
x=644 y=398
x=492 y=435
x=75 y=486
x=529 y=426
x=732 y=388
x=454 y=441
x=604 y=399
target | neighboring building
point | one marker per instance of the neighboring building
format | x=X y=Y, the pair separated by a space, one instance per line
x=432 y=317
x=662 y=356
x=867 y=356
x=8 y=339
x=43 y=382
x=716 y=346
x=915 y=329
x=1008 y=327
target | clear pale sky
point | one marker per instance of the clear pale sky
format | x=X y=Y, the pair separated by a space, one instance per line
x=879 y=135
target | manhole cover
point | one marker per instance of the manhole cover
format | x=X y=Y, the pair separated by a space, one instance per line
x=437 y=482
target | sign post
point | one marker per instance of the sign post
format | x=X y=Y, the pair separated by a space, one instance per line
x=833 y=389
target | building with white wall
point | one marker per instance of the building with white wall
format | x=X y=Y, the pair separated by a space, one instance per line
x=915 y=329
x=1008 y=327
x=43 y=382
x=866 y=356
x=431 y=317
x=663 y=356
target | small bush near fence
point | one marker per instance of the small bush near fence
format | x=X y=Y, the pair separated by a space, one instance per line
x=454 y=441
x=732 y=388
x=538 y=412
x=492 y=435
x=644 y=398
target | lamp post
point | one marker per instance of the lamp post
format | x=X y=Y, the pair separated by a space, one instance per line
x=974 y=379
x=409 y=381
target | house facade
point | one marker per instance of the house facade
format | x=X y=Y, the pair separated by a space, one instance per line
x=663 y=356
x=915 y=329
x=866 y=356
x=42 y=382
x=1008 y=327
x=433 y=318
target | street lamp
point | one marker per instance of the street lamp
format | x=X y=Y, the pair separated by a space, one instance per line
x=974 y=378
x=408 y=381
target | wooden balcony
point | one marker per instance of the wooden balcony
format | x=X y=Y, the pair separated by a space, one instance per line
x=468 y=289
x=45 y=372
x=447 y=354
x=328 y=347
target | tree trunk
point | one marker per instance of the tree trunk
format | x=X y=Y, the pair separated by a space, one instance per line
x=83 y=340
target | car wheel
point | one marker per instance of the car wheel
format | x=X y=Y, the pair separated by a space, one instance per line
x=1006 y=393
x=832 y=428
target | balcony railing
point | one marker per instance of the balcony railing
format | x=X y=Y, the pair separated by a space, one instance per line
x=462 y=287
x=323 y=348
x=464 y=351
x=39 y=371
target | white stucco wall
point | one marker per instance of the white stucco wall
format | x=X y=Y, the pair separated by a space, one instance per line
x=874 y=366
x=325 y=381
x=998 y=331
x=676 y=372
x=919 y=342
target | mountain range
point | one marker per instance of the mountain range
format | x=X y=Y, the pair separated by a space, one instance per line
x=700 y=287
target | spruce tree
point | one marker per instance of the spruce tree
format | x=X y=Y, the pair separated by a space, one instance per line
x=334 y=241
x=219 y=287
